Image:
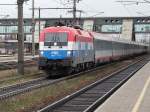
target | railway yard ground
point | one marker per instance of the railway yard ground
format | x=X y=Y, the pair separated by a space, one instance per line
x=38 y=98
x=8 y=58
x=10 y=62
x=8 y=71
x=9 y=77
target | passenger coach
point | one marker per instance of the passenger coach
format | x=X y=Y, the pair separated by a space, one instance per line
x=108 y=48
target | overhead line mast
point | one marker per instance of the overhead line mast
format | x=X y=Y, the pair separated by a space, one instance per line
x=75 y=10
x=20 y=37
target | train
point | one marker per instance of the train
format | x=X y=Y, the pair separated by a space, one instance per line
x=70 y=49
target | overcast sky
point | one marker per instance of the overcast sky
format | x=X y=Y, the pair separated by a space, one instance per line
x=90 y=7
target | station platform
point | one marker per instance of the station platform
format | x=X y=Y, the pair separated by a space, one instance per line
x=133 y=96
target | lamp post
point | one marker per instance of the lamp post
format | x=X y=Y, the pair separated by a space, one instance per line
x=20 y=37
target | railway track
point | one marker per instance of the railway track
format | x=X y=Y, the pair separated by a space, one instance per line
x=10 y=91
x=7 y=92
x=90 y=97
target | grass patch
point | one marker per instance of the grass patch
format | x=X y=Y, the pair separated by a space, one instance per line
x=47 y=94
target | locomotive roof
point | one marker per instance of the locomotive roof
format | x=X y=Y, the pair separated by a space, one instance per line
x=68 y=29
x=59 y=28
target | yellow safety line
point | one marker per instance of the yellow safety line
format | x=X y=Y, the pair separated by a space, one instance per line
x=140 y=99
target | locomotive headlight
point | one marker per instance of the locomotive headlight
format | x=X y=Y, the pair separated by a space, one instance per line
x=55 y=44
x=68 y=53
x=41 y=52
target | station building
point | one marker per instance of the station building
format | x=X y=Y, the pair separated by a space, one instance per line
x=131 y=28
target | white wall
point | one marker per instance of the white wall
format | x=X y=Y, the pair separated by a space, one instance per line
x=127 y=29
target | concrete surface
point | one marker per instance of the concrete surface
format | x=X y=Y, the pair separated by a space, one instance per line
x=133 y=96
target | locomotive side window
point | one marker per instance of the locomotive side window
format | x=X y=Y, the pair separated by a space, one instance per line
x=56 y=39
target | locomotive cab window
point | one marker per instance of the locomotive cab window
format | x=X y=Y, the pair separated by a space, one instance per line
x=56 y=39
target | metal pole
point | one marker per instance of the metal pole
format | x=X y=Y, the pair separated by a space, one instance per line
x=20 y=38
x=149 y=46
x=80 y=16
x=33 y=30
x=39 y=21
x=74 y=11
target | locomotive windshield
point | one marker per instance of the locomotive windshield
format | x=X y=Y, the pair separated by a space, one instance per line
x=56 y=39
